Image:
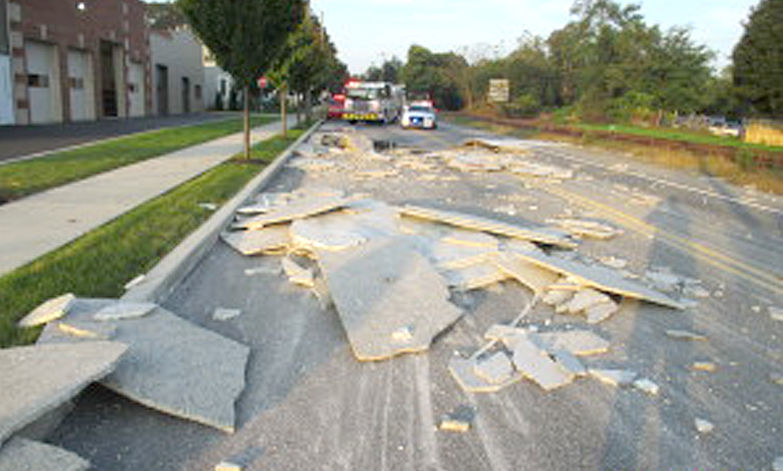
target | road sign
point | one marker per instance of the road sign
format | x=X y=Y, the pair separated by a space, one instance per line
x=262 y=81
x=499 y=90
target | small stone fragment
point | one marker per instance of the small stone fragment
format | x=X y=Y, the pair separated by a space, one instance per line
x=685 y=335
x=703 y=426
x=601 y=312
x=124 y=310
x=536 y=365
x=50 y=310
x=777 y=465
x=497 y=368
x=557 y=297
x=614 y=377
x=614 y=262
x=570 y=363
x=227 y=466
x=585 y=299
x=647 y=386
x=776 y=313
x=224 y=314
x=134 y=282
x=297 y=274
x=776 y=378
x=576 y=342
x=273 y=271
x=208 y=206
x=695 y=292
x=704 y=366
x=459 y=420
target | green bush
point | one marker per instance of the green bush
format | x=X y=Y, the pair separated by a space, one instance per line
x=524 y=106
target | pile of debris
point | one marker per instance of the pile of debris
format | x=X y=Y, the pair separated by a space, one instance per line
x=138 y=350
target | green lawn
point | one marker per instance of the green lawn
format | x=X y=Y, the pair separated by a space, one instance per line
x=677 y=135
x=27 y=177
x=100 y=263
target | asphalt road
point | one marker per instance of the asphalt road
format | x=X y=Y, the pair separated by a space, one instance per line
x=309 y=405
x=20 y=141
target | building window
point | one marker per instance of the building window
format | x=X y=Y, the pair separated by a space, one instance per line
x=77 y=83
x=197 y=91
x=37 y=80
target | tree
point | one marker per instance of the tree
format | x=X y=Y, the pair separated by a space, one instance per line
x=164 y=15
x=245 y=36
x=758 y=60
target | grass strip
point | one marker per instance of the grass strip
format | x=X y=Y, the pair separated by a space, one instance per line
x=99 y=263
x=24 y=178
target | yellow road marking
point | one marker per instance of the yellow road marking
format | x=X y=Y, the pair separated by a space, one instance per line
x=702 y=252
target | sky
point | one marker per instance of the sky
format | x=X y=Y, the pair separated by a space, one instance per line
x=369 y=31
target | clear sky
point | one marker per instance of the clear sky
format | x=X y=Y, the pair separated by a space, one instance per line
x=367 y=31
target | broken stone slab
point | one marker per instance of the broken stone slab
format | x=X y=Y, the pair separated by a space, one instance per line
x=685 y=335
x=569 y=362
x=297 y=209
x=614 y=377
x=50 y=310
x=224 y=314
x=37 y=379
x=474 y=277
x=519 y=245
x=296 y=273
x=536 y=365
x=576 y=342
x=336 y=233
x=471 y=239
x=707 y=366
x=254 y=242
x=526 y=273
x=587 y=228
x=542 y=235
x=124 y=310
x=703 y=426
x=448 y=256
x=87 y=330
x=600 y=278
x=601 y=312
x=382 y=286
x=614 y=262
x=172 y=365
x=464 y=372
x=496 y=368
x=663 y=280
x=21 y=454
x=558 y=297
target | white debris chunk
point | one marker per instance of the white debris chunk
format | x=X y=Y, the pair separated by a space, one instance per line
x=254 y=242
x=464 y=372
x=124 y=310
x=557 y=297
x=585 y=299
x=536 y=365
x=586 y=228
x=496 y=368
x=224 y=314
x=707 y=366
x=298 y=209
x=614 y=377
x=272 y=271
x=776 y=313
x=601 y=312
x=703 y=426
x=134 y=282
x=685 y=335
x=297 y=274
x=50 y=310
x=326 y=233
x=227 y=466
x=647 y=386
x=614 y=262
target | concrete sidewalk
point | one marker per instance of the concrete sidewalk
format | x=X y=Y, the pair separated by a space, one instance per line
x=40 y=223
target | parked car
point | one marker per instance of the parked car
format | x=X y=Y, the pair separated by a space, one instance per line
x=419 y=116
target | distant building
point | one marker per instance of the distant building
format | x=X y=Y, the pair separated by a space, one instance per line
x=217 y=83
x=178 y=71
x=73 y=60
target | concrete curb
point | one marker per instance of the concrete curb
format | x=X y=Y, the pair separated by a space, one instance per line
x=164 y=277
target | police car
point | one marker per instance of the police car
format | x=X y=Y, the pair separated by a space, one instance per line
x=419 y=115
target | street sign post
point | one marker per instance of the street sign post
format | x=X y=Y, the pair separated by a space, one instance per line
x=499 y=91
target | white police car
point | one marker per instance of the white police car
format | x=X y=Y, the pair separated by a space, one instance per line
x=419 y=116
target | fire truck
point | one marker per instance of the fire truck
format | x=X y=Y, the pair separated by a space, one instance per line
x=379 y=102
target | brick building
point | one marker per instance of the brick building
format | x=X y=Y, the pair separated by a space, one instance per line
x=73 y=60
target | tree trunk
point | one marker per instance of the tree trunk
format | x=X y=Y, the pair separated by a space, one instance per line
x=298 y=110
x=247 y=121
x=309 y=105
x=283 y=115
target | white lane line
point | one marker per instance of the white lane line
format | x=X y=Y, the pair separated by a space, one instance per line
x=661 y=181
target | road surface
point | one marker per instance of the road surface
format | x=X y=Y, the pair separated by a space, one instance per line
x=309 y=405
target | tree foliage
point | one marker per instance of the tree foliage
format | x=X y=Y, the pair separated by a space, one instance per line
x=758 y=60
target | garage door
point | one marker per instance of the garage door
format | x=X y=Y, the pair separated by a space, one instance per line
x=136 y=88
x=42 y=82
x=80 y=83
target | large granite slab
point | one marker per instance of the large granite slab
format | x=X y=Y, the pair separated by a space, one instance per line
x=36 y=379
x=298 y=209
x=21 y=454
x=389 y=298
x=171 y=364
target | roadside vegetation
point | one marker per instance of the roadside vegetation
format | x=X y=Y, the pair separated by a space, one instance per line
x=24 y=178
x=101 y=262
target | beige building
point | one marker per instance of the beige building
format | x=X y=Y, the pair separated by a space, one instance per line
x=178 y=71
